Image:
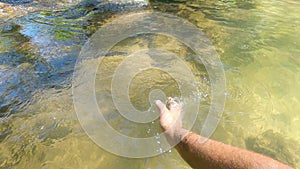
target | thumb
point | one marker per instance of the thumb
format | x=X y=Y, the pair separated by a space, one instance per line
x=160 y=105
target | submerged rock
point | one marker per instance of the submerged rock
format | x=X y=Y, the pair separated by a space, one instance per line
x=50 y=42
x=100 y=6
x=9 y=28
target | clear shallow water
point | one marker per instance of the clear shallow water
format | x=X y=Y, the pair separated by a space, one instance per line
x=257 y=42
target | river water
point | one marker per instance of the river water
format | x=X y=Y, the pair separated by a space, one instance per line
x=257 y=41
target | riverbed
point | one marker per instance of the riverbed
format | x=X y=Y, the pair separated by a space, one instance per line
x=257 y=41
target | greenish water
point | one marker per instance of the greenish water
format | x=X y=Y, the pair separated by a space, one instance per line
x=258 y=43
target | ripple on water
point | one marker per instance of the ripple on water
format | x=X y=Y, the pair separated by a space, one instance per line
x=17 y=86
x=270 y=143
x=254 y=39
x=46 y=40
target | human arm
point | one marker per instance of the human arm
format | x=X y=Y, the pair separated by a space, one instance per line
x=211 y=154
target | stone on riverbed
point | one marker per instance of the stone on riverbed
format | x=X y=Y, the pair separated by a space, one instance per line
x=100 y=6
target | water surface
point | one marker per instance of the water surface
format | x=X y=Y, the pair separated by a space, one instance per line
x=258 y=43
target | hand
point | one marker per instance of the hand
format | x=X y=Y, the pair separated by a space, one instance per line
x=171 y=119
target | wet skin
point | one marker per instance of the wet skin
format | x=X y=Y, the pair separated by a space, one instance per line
x=211 y=154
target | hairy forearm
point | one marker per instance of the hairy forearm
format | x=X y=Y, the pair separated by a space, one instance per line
x=215 y=155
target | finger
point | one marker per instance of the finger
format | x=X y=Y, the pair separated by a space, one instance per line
x=160 y=105
x=174 y=105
